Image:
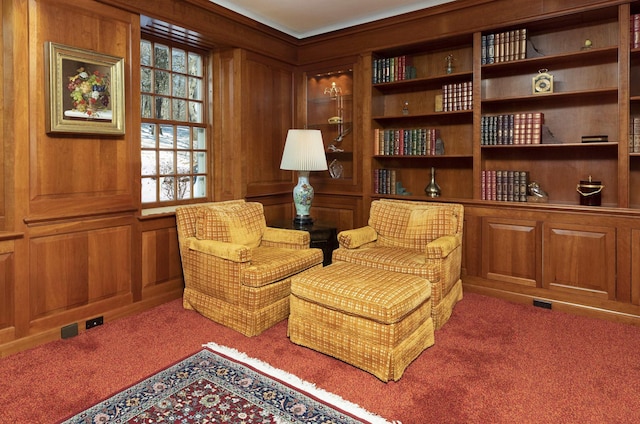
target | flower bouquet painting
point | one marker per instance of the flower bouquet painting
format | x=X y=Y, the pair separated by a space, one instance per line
x=85 y=91
x=89 y=91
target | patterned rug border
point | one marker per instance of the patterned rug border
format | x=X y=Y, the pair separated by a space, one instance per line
x=303 y=386
x=156 y=387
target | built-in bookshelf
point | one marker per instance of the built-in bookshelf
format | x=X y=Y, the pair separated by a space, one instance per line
x=634 y=106
x=580 y=53
x=433 y=108
x=559 y=130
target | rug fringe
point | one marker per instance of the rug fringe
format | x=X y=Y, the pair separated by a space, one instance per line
x=307 y=386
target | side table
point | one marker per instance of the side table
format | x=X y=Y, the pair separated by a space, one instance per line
x=323 y=237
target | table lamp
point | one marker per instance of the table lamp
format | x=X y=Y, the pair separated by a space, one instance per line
x=303 y=152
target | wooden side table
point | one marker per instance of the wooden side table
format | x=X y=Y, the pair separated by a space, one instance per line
x=323 y=237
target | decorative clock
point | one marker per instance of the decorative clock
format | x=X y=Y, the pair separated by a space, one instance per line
x=542 y=82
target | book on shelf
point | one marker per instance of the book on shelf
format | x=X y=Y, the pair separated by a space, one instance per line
x=392 y=69
x=595 y=138
x=508 y=129
x=635 y=30
x=457 y=96
x=503 y=46
x=405 y=141
x=634 y=136
x=504 y=185
x=384 y=181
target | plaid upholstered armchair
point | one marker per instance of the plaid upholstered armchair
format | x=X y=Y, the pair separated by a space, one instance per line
x=237 y=271
x=420 y=238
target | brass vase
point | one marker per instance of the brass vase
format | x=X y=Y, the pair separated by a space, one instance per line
x=433 y=189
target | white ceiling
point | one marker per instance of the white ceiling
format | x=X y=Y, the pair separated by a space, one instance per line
x=304 y=18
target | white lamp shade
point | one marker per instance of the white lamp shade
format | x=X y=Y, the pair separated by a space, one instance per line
x=304 y=151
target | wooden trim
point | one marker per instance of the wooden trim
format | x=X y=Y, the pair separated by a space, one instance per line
x=212 y=25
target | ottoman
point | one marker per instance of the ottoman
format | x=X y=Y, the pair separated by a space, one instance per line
x=376 y=320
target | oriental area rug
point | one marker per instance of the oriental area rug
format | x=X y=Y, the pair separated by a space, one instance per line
x=221 y=385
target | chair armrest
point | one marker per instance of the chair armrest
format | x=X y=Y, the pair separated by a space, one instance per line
x=284 y=237
x=229 y=251
x=441 y=247
x=358 y=237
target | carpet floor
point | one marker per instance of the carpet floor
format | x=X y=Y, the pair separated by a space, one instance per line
x=494 y=361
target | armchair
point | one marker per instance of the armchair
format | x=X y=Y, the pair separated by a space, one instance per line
x=419 y=238
x=237 y=271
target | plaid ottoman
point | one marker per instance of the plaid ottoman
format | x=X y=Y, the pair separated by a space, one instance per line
x=376 y=320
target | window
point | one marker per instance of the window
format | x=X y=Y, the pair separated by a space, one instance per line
x=173 y=132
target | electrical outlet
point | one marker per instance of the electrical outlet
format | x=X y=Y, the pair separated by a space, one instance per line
x=542 y=304
x=94 y=322
x=68 y=331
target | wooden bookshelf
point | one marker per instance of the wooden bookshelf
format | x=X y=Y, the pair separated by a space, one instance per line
x=596 y=90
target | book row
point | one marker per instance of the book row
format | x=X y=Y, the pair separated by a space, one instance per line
x=393 y=69
x=518 y=128
x=457 y=96
x=634 y=135
x=503 y=46
x=504 y=186
x=635 y=31
x=384 y=181
x=407 y=142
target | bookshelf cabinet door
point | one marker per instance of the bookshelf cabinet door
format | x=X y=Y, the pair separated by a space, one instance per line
x=580 y=260
x=511 y=251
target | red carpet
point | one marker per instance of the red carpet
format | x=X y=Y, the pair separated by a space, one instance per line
x=492 y=362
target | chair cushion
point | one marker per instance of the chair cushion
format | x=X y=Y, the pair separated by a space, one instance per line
x=408 y=261
x=271 y=264
x=234 y=222
x=410 y=225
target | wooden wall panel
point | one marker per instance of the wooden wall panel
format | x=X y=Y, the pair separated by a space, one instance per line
x=2 y=138
x=344 y=212
x=81 y=174
x=578 y=259
x=160 y=258
x=635 y=266
x=228 y=181
x=72 y=270
x=511 y=251
x=267 y=111
x=6 y=284
x=277 y=208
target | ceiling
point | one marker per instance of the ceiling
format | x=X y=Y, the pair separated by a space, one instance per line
x=302 y=18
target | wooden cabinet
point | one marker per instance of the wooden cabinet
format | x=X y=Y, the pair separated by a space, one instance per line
x=511 y=251
x=576 y=256
x=580 y=259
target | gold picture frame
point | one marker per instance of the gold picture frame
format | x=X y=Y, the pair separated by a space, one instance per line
x=84 y=91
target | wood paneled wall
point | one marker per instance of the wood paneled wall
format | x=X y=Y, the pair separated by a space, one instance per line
x=73 y=243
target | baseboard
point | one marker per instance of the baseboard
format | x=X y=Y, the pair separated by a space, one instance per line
x=53 y=334
x=556 y=305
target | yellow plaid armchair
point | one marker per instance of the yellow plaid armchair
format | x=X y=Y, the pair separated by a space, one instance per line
x=419 y=238
x=237 y=271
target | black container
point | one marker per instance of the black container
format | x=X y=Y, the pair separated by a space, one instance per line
x=590 y=192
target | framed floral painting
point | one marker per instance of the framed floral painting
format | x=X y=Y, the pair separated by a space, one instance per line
x=85 y=91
